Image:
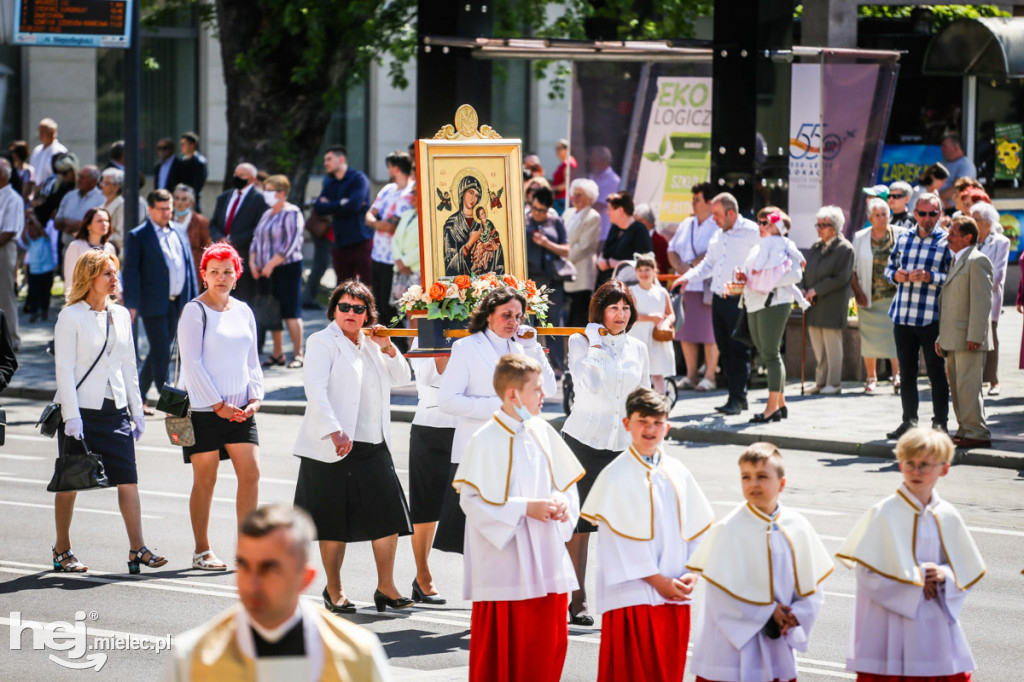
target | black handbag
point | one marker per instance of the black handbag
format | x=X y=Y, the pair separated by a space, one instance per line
x=50 y=420
x=75 y=471
x=173 y=400
x=266 y=308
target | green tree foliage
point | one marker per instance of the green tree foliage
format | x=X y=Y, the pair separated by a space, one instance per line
x=942 y=14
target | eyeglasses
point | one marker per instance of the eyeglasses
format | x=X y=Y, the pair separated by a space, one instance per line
x=357 y=309
x=920 y=467
x=928 y=214
x=822 y=226
x=897 y=196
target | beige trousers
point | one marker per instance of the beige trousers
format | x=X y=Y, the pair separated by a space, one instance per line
x=965 y=369
x=827 y=345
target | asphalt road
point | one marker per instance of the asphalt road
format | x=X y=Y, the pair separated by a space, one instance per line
x=423 y=643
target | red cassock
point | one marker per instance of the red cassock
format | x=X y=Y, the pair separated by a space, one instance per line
x=704 y=679
x=644 y=643
x=872 y=677
x=519 y=641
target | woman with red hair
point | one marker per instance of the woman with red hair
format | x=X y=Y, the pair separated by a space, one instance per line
x=220 y=368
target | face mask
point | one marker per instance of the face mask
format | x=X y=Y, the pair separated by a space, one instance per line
x=238 y=182
x=521 y=411
x=182 y=214
x=270 y=196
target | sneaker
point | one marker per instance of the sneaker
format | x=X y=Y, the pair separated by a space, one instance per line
x=706 y=385
x=994 y=390
x=686 y=384
x=831 y=390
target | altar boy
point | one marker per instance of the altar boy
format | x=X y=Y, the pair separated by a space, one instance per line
x=916 y=561
x=517 y=486
x=762 y=597
x=649 y=512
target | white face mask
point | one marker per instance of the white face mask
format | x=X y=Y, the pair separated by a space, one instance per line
x=270 y=196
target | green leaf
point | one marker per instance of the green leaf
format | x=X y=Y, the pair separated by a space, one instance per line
x=663 y=147
x=651 y=156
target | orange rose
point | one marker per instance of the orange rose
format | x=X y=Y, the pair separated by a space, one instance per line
x=531 y=288
x=510 y=280
x=462 y=281
x=437 y=291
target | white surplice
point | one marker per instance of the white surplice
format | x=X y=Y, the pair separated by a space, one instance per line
x=649 y=517
x=509 y=556
x=896 y=631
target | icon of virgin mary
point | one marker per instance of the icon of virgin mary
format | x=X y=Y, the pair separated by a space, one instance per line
x=463 y=231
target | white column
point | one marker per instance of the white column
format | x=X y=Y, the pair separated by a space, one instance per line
x=213 y=120
x=392 y=115
x=60 y=83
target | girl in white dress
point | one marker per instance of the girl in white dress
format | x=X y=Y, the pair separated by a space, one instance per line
x=654 y=311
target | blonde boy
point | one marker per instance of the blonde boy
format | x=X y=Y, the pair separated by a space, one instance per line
x=762 y=598
x=916 y=562
x=517 y=485
x=649 y=512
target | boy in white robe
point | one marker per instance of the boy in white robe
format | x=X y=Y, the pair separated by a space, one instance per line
x=517 y=487
x=762 y=598
x=649 y=512
x=916 y=561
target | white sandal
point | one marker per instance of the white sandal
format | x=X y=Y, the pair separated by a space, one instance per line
x=706 y=385
x=208 y=561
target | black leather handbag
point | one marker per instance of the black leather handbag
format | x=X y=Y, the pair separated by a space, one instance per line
x=173 y=400
x=75 y=471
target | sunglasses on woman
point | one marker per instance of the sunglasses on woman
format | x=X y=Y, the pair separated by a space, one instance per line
x=357 y=309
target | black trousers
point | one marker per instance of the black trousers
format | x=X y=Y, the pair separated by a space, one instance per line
x=160 y=331
x=383 y=275
x=909 y=342
x=38 y=298
x=735 y=356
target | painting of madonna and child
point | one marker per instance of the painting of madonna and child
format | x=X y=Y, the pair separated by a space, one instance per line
x=472 y=209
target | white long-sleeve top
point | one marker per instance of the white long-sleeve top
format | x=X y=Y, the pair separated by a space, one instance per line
x=772 y=251
x=730 y=644
x=691 y=241
x=508 y=555
x=602 y=379
x=223 y=363
x=727 y=251
x=467 y=385
x=896 y=631
x=428 y=389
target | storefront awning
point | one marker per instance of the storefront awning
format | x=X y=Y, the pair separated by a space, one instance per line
x=993 y=46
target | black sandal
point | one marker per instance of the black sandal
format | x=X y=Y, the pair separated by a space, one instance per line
x=73 y=565
x=135 y=559
x=275 y=361
x=582 y=618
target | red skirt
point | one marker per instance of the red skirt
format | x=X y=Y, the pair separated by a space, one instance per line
x=519 y=641
x=704 y=679
x=644 y=643
x=872 y=677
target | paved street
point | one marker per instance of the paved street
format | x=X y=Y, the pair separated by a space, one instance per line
x=424 y=643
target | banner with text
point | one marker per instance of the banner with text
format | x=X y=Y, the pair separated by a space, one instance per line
x=805 y=153
x=906 y=162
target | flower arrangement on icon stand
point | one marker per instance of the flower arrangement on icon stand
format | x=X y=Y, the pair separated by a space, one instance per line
x=455 y=298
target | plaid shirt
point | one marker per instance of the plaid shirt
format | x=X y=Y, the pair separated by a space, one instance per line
x=917 y=303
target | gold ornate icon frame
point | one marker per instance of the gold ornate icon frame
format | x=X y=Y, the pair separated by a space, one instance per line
x=467 y=231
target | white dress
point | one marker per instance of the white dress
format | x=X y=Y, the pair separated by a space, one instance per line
x=652 y=302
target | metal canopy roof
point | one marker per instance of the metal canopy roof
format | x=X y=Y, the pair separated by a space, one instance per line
x=992 y=46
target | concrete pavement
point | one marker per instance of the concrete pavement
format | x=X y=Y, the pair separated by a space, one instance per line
x=850 y=423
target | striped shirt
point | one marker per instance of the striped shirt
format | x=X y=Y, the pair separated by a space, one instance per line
x=917 y=303
x=277 y=233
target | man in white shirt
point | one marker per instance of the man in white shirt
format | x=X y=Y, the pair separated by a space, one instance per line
x=75 y=204
x=726 y=253
x=49 y=145
x=12 y=220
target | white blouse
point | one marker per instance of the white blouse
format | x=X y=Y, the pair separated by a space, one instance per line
x=428 y=389
x=602 y=379
x=222 y=363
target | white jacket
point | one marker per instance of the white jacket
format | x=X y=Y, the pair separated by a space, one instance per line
x=77 y=342
x=332 y=379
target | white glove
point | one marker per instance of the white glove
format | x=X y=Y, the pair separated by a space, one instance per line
x=594 y=333
x=140 y=427
x=74 y=428
x=530 y=342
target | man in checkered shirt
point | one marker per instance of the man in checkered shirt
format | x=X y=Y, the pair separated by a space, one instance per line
x=917 y=266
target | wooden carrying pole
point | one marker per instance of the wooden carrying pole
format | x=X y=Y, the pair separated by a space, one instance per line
x=460 y=333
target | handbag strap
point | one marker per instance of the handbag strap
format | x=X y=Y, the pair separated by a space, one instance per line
x=177 y=348
x=106 y=340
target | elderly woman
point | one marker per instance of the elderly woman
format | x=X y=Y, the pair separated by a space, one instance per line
x=111 y=184
x=606 y=364
x=826 y=285
x=770 y=272
x=276 y=255
x=993 y=244
x=467 y=387
x=196 y=226
x=93 y=234
x=625 y=238
x=347 y=480
x=583 y=227
x=874 y=293
x=98 y=392
x=220 y=369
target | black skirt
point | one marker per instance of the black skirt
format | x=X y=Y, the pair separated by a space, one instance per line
x=430 y=453
x=355 y=499
x=594 y=461
x=451 y=527
x=213 y=433
x=108 y=433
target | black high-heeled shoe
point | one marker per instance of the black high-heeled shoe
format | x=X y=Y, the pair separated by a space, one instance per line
x=347 y=607
x=381 y=601
x=582 y=618
x=785 y=412
x=432 y=599
x=764 y=419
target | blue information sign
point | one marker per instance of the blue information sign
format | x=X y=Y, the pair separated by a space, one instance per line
x=73 y=23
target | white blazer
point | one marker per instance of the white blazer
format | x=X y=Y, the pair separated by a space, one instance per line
x=77 y=342
x=332 y=377
x=467 y=385
x=863 y=262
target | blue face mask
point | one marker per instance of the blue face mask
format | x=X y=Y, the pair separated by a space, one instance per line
x=522 y=412
x=182 y=214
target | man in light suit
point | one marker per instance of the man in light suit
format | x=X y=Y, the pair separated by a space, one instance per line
x=965 y=308
x=235 y=217
x=159 y=278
